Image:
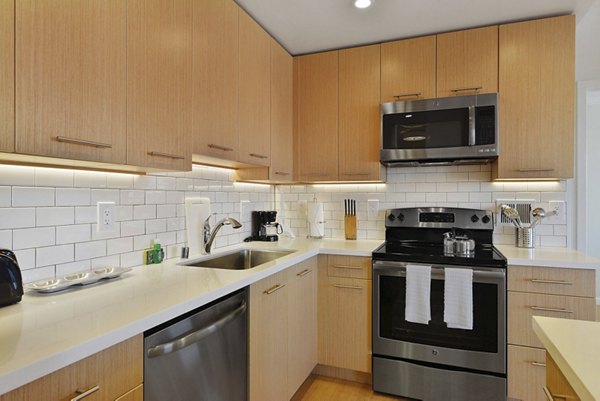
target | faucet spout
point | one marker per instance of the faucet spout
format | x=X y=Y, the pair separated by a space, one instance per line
x=209 y=236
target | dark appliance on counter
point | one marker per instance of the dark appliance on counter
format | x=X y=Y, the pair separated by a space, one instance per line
x=264 y=226
x=452 y=130
x=433 y=362
x=11 y=282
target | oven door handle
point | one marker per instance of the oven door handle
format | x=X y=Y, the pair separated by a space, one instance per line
x=436 y=272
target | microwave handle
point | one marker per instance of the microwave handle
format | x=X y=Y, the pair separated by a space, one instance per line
x=472 y=125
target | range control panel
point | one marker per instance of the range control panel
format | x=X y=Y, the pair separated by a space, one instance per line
x=437 y=217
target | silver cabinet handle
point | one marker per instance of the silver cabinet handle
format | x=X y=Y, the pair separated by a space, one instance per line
x=542 y=281
x=85 y=393
x=361 y=174
x=258 y=156
x=197 y=335
x=350 y=287
x=169 y=155
x=553 y=397
x=219 y=147
x=541 y=308
x=281 y=173
x=316 y=174
x=540 y=364
x=303 y=272
x=76 y=141
x=347 y=267
x=273 y=289
x=533 y=170
x=473 y=88
x=416 y=94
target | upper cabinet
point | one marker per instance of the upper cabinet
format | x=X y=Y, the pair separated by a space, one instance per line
x=7 y=76
x=216 y=80
x=317 y=117
x=467 y=62
x=254 y=94
x=408 y=69
x=537 y=98
x=71 y=78
x=359 y=86
x=159 y=83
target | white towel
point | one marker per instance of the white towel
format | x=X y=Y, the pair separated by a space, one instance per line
x=458 y=298
x=418 y=294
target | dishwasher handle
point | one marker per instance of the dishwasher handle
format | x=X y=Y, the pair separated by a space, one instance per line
x=189 y=339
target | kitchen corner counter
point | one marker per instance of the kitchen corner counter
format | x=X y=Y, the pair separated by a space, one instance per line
x=548 y=257
x=44 y=333
x=575 y=347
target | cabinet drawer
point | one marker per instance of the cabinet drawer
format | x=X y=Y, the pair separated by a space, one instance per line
x=349 y=266
x=557 y=384
x=526 y=373
x=552 y=280
x=523 y=306
x=137 y=394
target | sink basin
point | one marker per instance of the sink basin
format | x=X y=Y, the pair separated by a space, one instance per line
x=239 y=260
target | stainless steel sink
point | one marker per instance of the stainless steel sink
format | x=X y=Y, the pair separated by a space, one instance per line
x=239 y=260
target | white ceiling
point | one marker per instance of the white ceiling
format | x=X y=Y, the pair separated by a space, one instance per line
x=305 y=26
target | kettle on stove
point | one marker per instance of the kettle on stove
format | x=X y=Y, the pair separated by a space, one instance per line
x=11 y=283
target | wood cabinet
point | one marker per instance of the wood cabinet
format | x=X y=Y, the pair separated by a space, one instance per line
x=159 y=83
x=317 y=117
x=344 y=314
x=7 y=76
x=557 y=384
x=216 y=79
x=117 y=371
x=467 y=62
x=71 y=79
x=537 y=102
x=408 y=69
x=359 y=116
x=541 y=291
x=254 y=102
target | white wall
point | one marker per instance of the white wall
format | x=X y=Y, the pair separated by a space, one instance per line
x=587 y=46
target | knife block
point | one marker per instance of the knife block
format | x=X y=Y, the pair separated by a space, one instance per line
x=350 y=227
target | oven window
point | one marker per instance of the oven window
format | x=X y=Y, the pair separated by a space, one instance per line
x=426 y=129
x=392 y=325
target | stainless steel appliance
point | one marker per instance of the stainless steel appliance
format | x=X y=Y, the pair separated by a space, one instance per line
x=453 y=130
x=264 y=226
x=200 y=356
x=432 y=362
x=11 y=283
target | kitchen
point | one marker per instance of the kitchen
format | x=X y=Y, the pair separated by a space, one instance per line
x=50 y=213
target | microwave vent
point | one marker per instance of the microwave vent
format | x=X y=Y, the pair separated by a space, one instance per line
x=523 y=206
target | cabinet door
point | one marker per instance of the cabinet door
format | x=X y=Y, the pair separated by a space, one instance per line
x=317 y=117
x=254 y=94
x=526 y=373
x=159 y=83
x=7 y=76
x=467 y=62
x=216 y=81
x=537 y=98
x=359 y=117
x=71 y=81
x=281 y=114
x=408 y=69
x=268 y=338
x=302 y=328
x=137 y=394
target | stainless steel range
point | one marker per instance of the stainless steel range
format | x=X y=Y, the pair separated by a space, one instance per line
x=428 y=360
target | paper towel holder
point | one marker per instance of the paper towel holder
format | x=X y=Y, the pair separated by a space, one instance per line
x=313 y=225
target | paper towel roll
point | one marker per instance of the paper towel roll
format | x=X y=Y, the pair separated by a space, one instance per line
x=316 y=223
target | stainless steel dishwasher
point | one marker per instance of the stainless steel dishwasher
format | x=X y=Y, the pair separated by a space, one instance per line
x=200 y=356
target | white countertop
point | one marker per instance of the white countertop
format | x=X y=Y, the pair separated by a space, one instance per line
x=575 y=347
x=548 y=257
x=44 y=333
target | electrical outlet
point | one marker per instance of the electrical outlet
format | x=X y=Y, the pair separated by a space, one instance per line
x=106 y=216
x=561 y=212
x=372 y=208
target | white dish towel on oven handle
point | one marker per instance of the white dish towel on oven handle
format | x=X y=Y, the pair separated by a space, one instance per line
x=418 y=294
x=458 y=298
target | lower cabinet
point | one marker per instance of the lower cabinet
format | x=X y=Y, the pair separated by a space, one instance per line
x=282 y=332
x=116 y=372
x=557 y=385
x=526 y=373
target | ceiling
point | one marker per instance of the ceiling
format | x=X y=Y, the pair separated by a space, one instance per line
x=306 y=26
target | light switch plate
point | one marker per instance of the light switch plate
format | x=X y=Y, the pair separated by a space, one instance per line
x=245 y=212
x=561 y=212
x=106 y=216
x=372 y=208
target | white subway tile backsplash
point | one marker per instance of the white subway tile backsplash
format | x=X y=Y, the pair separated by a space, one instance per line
x=155 y=197
x=164 y=211
x=26 y=259
x=49 y=177
x=6 y=239
x=115 y=233
x=105 y=195
x=40 y=273
x=123 y=213
x=132 y=197
x=156 y=226
x=166 y=183
x=33 y=237
x=54 y=216
x=144 y=182
x=17 y=218
x=5 y=196
x=72 y=267
x=32 y=196
x=131 y=259
x=17 y=175
x=86 y=214
x=144 y=212
x=129 y=228
x=73 y=233
x=53 y=255
x=90 y=179
x=119 y=245
x=123 y=181
x=107 y=261
x=72 y=196
x=90 y=250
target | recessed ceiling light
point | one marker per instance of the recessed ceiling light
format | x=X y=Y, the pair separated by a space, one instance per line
x=362 y=3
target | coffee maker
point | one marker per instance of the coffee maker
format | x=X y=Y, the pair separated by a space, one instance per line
x=264 y=227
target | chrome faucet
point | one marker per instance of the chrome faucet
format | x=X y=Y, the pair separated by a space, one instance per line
x=209 y=236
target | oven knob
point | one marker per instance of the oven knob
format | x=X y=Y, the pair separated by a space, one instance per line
x=391 y=217
x=485 y=219
x=401 y=217
x=435 y=352
x=474 y=218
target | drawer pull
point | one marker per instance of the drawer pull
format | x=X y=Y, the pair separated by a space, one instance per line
x=316 y=174
x=541 y=281
x=219 y=147
x=84 y=393
x=76 y=141
x=540 y=364
x=347 y=267
x=416 y=94
x=259 y=156
x=273 y=289
x=168 y=155
x=553 y=397
x=473 y=88
x=357 y=174
x=533 y=170
x=541 y=308
x=281 y=173
x=303 y=272
x=349 y=287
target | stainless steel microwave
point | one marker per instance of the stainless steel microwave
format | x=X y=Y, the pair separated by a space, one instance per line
x=452 y=130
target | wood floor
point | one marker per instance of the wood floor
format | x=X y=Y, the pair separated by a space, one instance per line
x=320 y=388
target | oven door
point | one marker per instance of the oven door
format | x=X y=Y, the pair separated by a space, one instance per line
x=483 y=348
